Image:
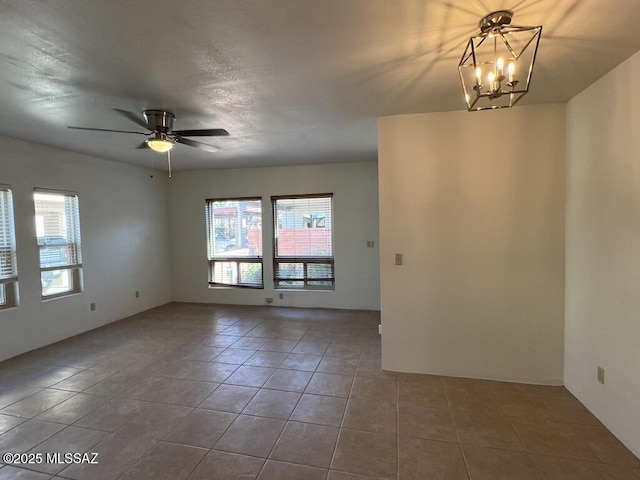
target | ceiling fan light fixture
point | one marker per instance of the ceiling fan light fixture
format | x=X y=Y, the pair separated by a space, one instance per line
x=497 y=63
x=160 y=142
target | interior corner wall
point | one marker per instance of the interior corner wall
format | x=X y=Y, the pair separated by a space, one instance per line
x=355 y=201
x=474 y=202
x=125 y=243
x=603 y=250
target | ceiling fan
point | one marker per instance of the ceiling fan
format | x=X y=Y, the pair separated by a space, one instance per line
x=161 y=135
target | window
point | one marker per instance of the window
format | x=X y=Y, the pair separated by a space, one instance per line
x=8 y=270
x=234 y=242
x=58 y=231
x=303 y=241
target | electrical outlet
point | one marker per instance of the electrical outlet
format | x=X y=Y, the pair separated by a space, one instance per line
x=398 y=259
x=92 y=307
x=137 y=294
x=281 y=296
x=600 y=375
x=370 y=243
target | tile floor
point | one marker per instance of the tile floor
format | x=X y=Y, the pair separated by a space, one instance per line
x=219 y=392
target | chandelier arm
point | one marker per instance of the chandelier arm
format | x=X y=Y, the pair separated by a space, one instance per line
x=508 y=45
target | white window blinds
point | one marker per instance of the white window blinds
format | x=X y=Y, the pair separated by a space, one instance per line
x=303 y=241
x=8 y=270
x=234 y=241
x=59 y=241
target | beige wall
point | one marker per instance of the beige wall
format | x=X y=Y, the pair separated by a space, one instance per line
x=125 y=243
x=475 y=203
x=355 y=221
x=603 y=250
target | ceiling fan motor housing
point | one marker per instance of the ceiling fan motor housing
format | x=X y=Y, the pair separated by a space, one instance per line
x=159 y=120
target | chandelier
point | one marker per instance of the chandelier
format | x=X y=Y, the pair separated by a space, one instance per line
x=497 y=64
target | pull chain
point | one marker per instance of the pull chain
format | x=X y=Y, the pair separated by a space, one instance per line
x=169 y=161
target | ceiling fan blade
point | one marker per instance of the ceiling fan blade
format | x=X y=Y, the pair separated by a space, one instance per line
x=210 y=132
x=105 y=130
x=133 y=117
x=199 y=145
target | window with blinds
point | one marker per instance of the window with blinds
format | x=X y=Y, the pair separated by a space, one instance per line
x=58 y=237
x=234 y=242
x=8 y=268
x=303 y=241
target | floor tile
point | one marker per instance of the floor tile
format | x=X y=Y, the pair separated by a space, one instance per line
x=329 y=384
x=198 y=352
x=298 y=361
x=382 y=389
x=479 y=400
x=345 y=351
x=494 y=464
x=285 y=471
x=250 y=376
x=227 y=466
x=320 y=409
x=249 y=435
x=289 y=380
x=222 y=340
x=370 y=415
x=427 y=392
x=200 y=371
x=306 y=444
x=421 y=459
x=166 y=461
x=27 y=435
x=113 y=415
x=13 y=473
x=366 y=453
x=552 y=438
x=155 y=421
x=275 y=345
x=7 y=422
x=10 y=394
x=606 y=446
x=337 y=365
x=486 y=431
x=310 y=348
x=555 y=468
x=201 y=428
x=69 y=440
x=74 y=408
x=428 y=423
x=335 y=475
x=229 y=398
x=82 y=380
x=116 y=384
x=266 y=359
x=116 y=454
x=176 y=391
x=251 y=343
x=163 y=374
x=234 y=355
x=37 y=403
x=272 y=403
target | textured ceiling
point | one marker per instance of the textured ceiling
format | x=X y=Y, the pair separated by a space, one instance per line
x=293 y=81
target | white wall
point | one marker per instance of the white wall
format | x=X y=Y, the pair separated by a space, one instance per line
x=355 y=190
x=124 y=228
x=603 y=250
x=475 y=203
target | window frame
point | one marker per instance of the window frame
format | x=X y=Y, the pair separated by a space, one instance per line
x=212 y=258
x=305 y=260
x=74 y=269
x=9 y=283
